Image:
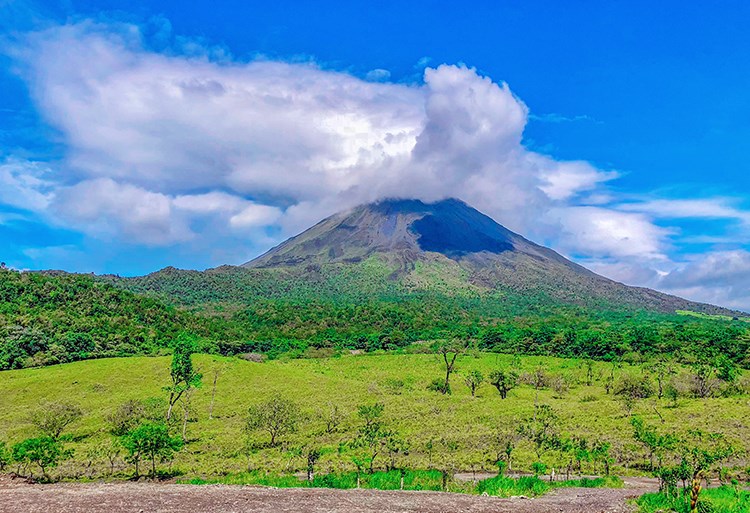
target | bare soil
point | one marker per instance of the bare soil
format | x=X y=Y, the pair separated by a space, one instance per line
x=16 y=496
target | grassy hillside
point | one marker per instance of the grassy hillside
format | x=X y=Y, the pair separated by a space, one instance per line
x=455 y=430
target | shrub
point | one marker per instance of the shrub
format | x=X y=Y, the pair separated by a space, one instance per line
x=439 y=385
x=635 y=387
x=132 y=413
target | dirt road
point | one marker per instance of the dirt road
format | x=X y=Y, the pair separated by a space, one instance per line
x=18 y=497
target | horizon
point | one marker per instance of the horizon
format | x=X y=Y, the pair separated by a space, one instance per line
x=139 y=137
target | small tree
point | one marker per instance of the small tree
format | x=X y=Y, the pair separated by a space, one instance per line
x=5 y=456
x=589 y=365
x=541 y=429
x=184 y=377
x=473 y=379
x=601 y=452
x=500 y=449
x=54 y=417
x=705 y=377
x=372 y=435
x=449 y=351
x=151 y=442
x=312 y=454
x=662 y=370
x=332 y=417
x=504 y=381
x=699 y=452
x=656 y=444
x=277 y=417
x=44 y=452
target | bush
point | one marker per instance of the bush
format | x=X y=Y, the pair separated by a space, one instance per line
x=439 y=385
x=131 y=414
x=635 y=387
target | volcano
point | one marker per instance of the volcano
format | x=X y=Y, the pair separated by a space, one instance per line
x=450 y=239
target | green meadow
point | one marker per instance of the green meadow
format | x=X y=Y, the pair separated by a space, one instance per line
x=451 y=433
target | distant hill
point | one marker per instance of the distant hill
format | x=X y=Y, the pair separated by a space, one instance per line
x=48 y=318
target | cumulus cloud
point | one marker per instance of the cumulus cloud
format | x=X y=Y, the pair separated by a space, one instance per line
x=170 y=126
x=167 y=147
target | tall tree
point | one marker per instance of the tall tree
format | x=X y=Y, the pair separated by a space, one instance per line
x=183 y=374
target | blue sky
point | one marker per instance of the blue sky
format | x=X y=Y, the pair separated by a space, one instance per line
x=139 y=135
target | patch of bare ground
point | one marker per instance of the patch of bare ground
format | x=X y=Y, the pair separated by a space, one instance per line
x=16 y=496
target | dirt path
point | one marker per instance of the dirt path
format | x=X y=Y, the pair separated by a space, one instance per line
x=18 y=497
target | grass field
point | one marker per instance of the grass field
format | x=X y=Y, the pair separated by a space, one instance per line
x=723 y=499
x=459 y=428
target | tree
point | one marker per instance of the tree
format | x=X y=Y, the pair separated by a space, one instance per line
x=277 y=417
x=541 y=429
x=589 y=372
x=656 y=444
x=312 y=454
x=217 y=371
x=504 y=381
x=332 y=417
x=54 y=417
x=662 y=370
x=501 y=447
x=473 y=379
x=45 y=452
x=699 y=452
x=5 y=456
x=600 y=452
x=449 y=351
x=184 y=377
x=705 y=378
x=150 y=441
x=372 y=435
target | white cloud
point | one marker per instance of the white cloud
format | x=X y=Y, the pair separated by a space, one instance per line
x=706 y=208
x=570 y=178
x=255 y=215
x=25 y=185
x=716 y=277
x=596 y=231
x=105 y=207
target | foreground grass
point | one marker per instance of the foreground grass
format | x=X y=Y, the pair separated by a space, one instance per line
x=725 y=499
x=456 y=431
x=499 y=486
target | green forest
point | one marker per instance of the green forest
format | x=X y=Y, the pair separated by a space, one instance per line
x=56 y=318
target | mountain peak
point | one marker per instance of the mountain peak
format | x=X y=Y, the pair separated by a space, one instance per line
x=410 y=228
